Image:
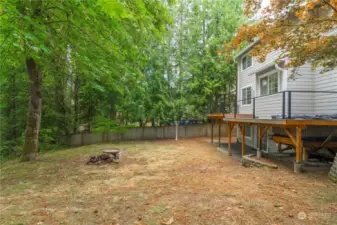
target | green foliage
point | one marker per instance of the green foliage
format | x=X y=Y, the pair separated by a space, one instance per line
x=203 y=78
x=109 y=64
x=103 y=125
x=84 y=50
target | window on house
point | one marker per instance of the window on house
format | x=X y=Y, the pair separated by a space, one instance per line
x=247 y=96
x=269 y=84
x=264 y=86
x=246 y=62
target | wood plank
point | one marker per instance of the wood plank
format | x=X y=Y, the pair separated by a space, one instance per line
x=238 y=115
x=243 y=140
x=312 y=122
x=283 y=140
x=216 y=116
x=307 y=144
x=329 y=137
x=266 y=128
x=256 y=121
x=298 y=144
x=284 y=123
x=290 y=136
x=258 y=138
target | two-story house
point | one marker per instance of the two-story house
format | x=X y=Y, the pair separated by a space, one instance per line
x=266 y=91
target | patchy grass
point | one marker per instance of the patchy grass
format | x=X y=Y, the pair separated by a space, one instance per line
x=228 y=194
x=187 y=180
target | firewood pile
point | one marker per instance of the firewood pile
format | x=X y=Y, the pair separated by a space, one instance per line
x=108 y=156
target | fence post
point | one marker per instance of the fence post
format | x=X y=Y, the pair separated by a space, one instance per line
x=283 y=105
x=253 y=108
x=289 y=105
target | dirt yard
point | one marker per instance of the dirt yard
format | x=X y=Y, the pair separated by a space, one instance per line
x=161 y=182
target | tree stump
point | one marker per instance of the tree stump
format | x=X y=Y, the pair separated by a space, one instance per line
x=115 y=153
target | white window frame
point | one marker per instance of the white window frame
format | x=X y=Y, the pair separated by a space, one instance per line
x=251 y=95
x=279 y=81
x=241 y=63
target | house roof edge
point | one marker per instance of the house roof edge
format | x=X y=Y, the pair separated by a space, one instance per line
x=247 y=49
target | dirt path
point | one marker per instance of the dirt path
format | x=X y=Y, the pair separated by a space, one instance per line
x=162 y=182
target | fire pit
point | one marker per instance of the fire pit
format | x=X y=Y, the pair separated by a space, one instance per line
x=108 y=156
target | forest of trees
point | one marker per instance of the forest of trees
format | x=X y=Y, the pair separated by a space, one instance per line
x=127 y=63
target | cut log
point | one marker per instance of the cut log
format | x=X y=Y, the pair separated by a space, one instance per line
x=114 y=152
x=111 y=151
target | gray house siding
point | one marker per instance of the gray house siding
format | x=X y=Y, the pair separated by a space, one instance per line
x=326 y=81
x=326 y=103
x=250 y=141
x=302 y=102
x=304 y=79
x=247 y=78
x=266 y=106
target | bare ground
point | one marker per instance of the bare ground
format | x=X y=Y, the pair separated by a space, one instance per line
x=161 y=182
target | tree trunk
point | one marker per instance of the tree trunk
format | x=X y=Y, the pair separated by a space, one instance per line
x=12 y=108
x=61 y=118
x=76 y=104
x=90 y=120
x=30 y=147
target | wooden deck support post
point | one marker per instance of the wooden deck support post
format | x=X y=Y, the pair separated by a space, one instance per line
x=243 y=139
x=298 y=165
x=292 y=138
x=212 y=131
x=259 y=153
x=219 y=122
x=229 y=132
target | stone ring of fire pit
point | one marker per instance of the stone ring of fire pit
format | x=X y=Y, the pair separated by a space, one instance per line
x=108 y=156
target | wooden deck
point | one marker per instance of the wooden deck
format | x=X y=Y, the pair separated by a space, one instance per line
x=281 y=122
x=222 y=116
x=263 y=126
x=219 y=117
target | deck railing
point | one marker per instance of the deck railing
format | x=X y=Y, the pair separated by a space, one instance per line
x=294 y=104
